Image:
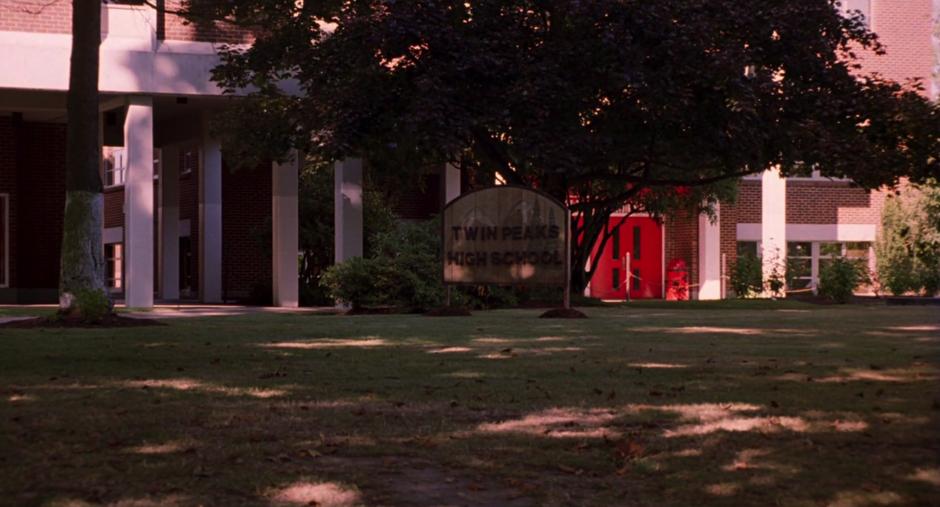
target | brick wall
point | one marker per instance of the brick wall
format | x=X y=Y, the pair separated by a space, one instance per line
x=905 y=29
x=682 y=242
x=56 y=17
x=114 y=207
x=41 y=204
x=246 y=233
x=36 y=16
x=828 y=202
x=176 y=28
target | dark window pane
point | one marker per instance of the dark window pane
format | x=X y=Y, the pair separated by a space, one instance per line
x=857 y=249
x=830 y=249
x=747 y=249
x=636 y=279
x=797 y=268
x=636 y=242
x=799 y=283
x=799 y=249
x=615 y=279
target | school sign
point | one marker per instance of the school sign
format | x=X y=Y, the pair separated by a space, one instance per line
x=506 y=236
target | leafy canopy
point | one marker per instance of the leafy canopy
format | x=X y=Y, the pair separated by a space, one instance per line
x=607 y=103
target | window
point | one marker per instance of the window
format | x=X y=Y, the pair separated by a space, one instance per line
x=114 y=260
x=187 y=284
x=748 y=249
x=806 y=260
x=4 y=240
x=615 y=279
x=799 y=265
x=636 y=242
x=189 y=160
x=636 y=279
x=616 y=246
x=115 y=165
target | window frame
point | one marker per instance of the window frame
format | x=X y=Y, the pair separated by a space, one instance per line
x=114 y=263
x=111 y=167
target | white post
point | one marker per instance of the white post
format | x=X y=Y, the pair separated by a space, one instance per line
x=210 y=218
x=285 y=217
x=348 y=209
x=138 y=202
x=169 y=260
x=709 y=256
x=773 y=222
x=451 y=183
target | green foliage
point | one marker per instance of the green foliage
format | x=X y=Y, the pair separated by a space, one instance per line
x=908 y=245
x=839 y=279
x=358 y=282
x=403 y=270
x=317 y=226
x=746 y=277
x=608 y=100
x=90 y=305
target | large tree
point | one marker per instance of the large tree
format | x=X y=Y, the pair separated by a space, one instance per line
x=81 y=280
x=606 y=104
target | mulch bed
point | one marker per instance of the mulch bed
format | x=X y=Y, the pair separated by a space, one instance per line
x=563 y=313
x=114 y=321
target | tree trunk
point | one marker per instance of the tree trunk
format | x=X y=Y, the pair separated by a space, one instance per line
x=82 y=274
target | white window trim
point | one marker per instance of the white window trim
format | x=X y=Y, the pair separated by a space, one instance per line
x=118 y=155
x=5 y=204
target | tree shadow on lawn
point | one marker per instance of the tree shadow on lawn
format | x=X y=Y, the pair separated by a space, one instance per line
x=377 y=418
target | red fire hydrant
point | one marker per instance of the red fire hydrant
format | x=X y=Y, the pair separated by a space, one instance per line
x=677 y=280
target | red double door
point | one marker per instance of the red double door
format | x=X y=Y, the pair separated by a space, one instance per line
x=631 y=265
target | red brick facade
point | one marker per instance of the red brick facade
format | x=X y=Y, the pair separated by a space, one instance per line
x=32 y=172
x=56 y=17
x=682 y=242
x=904 y=28
x=246 y=234
x=831 y=202
x=36 y=16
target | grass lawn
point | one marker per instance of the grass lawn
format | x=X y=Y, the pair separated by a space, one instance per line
x=733 y=403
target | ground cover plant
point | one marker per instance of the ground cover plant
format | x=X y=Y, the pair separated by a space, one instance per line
x=721 y=403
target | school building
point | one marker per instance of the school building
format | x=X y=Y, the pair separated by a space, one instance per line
x=179 y=226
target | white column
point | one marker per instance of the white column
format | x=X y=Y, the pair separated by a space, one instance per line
x=709 y=256
x=451 y=182
x=138 y=202
x=347 y=197
x=285 y=217
x=210 y=219
x=773 y=222
x=169 y=260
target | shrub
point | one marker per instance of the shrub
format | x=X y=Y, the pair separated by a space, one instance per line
x=90 y=306
x=403 y=270
x=908 y=245
x=746 y=277
x=839 y=279
x=358 y=282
